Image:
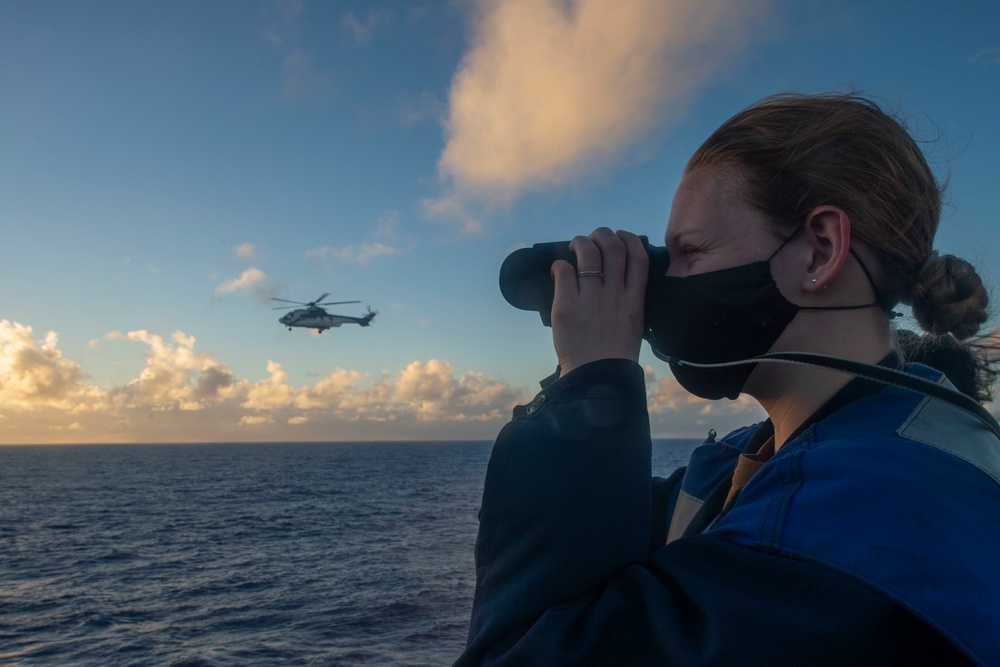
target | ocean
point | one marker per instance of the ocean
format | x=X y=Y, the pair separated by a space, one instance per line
x=242 y=554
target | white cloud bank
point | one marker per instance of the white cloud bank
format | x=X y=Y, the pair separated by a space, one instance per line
x=175 y=376
x=185 y=395
x=34 y=374
x=552 y=90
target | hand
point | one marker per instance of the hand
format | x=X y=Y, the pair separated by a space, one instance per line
x=596 y=317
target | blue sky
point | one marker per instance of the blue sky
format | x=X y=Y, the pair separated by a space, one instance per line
x=166 y=168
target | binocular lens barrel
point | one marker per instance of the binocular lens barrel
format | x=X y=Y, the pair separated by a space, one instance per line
x=526 y=280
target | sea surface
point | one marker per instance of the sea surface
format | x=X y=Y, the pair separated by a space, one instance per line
x=242 y=554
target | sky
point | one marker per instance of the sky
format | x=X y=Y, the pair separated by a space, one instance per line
x=166 y=168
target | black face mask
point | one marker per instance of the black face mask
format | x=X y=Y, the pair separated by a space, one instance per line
x=720 y=317
x=713 y=318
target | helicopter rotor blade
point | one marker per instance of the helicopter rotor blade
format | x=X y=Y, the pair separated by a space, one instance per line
x=335 y=303
x=300 y=303
x=321 y=297
x=284 y=307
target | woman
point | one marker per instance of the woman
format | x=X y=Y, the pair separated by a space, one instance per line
x=856 y=526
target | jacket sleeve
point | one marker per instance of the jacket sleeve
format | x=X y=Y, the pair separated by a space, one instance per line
x=566 y=501
x=566 y=574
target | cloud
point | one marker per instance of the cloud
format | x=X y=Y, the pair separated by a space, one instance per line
x=387 y=242
x=425 y=391
x=554 y=90
x=363 y=29
x=247 y=280
x=432 y=390
x=183 y=394
x=275 y=393
x=453 y=209
x=175 y=376
x=254 y=420
x=418 y=109
x=282 y=19
x=35 y=375
x=989 y=56
x=360 y=254
x=329 y=391
x=272 y=393
x=387 y=227
x=245 y=251
x=302 y=80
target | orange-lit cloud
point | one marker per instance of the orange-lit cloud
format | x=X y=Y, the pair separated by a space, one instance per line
x=182 y=394
x=552 y=90
x=35 y=375
x=247 y=280
x=425 y=391
x=175 y=376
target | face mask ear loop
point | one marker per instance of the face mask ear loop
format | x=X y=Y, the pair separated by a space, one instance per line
x=871 y=281
x=786 y=241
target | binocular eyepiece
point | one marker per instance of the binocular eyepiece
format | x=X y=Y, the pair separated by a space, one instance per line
x=526 y=279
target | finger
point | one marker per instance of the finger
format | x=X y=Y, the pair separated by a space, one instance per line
x=588 y=260
x=612 y=255
x=563 y=275
x=637 y=262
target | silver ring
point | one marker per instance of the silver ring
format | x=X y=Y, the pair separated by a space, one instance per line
x=588 y=274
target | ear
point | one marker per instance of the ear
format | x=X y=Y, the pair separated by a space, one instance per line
x=827 y=231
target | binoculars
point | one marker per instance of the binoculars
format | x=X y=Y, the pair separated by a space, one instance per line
x=526 y=280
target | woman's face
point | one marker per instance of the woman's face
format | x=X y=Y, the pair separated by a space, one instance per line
x=711 y=227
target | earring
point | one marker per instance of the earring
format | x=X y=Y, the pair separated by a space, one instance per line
x=814 y=281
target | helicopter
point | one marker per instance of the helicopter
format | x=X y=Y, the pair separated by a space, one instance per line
x=314 y=317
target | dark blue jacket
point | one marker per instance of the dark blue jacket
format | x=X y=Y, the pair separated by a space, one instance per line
x=872 y=538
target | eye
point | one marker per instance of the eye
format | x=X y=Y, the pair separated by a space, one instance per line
x=688 y=250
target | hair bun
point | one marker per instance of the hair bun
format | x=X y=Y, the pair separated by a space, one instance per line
x=949 y=297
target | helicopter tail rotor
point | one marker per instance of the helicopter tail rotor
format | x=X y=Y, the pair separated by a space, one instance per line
x=367 y=319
